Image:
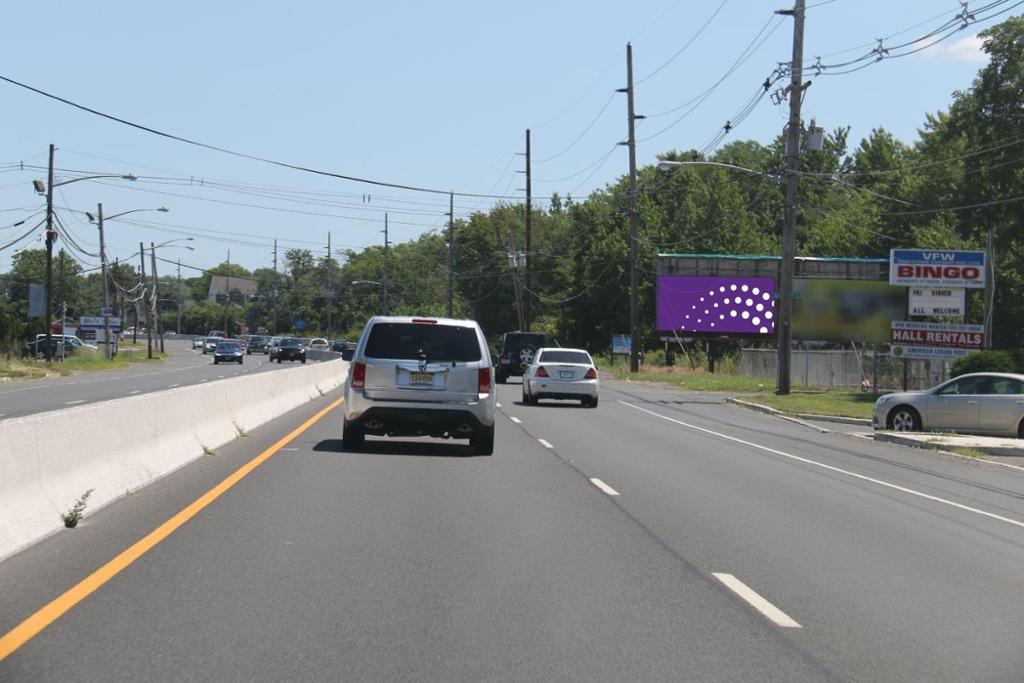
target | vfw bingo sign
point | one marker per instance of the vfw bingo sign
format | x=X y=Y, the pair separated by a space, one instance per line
x=936 y=268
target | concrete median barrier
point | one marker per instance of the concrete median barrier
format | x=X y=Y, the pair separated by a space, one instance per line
x=116 y=447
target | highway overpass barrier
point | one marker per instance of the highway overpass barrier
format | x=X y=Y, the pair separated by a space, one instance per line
x=115 y=447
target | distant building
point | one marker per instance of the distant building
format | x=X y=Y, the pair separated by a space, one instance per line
x=239 y=289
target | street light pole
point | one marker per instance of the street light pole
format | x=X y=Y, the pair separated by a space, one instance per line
x=179 y=296
x=385 y=278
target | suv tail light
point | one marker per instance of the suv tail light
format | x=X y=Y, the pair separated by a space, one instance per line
x=591 y=374
x=359 y=375
x=541 y=372
x=484 y=381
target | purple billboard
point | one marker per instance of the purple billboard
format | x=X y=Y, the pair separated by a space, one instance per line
x=716 y=305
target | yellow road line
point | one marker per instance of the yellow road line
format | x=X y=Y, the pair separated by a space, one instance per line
x=29 y=628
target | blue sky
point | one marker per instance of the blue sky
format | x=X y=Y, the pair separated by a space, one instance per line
x=435 y=95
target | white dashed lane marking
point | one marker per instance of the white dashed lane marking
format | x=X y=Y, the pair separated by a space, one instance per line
x=137 y=391
x=515 y=419
x=72 y=403
x=756 y=601
x=603 y=486
x=544 y=443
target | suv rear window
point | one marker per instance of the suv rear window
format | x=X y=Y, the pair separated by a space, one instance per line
x=565 y=357
x=411 y=341
x=517 y=340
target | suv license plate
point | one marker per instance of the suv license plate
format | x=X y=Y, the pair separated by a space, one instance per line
x=421 y=378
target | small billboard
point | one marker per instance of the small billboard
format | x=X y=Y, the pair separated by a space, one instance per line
x=937 y=302
x=719 y=306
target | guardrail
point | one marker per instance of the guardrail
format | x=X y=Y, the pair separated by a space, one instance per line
x=115 y=447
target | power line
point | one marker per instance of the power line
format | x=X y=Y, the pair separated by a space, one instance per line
x=242 y=155
x=685 y=45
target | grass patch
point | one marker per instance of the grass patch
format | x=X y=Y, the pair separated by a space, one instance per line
x=840 y=403
x=90 y=362
x=968 y=452
x=24 y=369
x=685 y=378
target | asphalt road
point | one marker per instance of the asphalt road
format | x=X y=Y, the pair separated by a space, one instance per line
x=184 y=367
x=661 y=536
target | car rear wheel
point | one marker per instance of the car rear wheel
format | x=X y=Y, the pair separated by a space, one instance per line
x=482 y=440
x=1020 y=430
x=904 y=419
x=353 y=437
x=303 y=361
x=500 y=377
x=279 y=360
x=215 y=361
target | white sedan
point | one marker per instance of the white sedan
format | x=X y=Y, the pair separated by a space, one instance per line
x=561 y=374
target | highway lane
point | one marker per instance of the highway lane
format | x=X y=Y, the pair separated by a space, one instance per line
x=184 y=367
x=654 y=538
x=907 y=583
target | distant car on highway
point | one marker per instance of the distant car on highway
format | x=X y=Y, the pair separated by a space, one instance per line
x=210 y=344
x=272 y=347
x=258 y=343
x=228 y=351
x=420 y=377
x=291 y=348
x=217 y=333
x=198 y=342
x=561 y=374
x=345 y=348
x=979 y=403
x=319 y=344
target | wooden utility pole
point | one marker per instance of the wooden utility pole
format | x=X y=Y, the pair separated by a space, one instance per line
x=227 y=295
x=784 y=313
x=634 y=311
x=142 y=290
x=451 y=247
x=384 y=279
x=528 y=312
x=106 y=290
x=156 y=298
x=273 y=330
x=51 y=237
x=330 y=292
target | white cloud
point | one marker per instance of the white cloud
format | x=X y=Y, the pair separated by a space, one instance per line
x=967 y=50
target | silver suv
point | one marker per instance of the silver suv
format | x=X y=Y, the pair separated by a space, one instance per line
x=421 y=377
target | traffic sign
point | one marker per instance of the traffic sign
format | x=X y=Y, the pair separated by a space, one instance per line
x=300 y=325
x=937 y=268
x=621 y=344
x=97 y=323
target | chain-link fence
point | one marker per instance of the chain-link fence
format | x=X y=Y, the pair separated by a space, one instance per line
x=837 y=368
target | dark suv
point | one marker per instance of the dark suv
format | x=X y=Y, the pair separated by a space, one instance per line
x=258 y=343
x=516 y=352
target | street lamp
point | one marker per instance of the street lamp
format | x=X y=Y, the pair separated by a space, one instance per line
x=47 y=187
x=103 y=264
x=784 y=312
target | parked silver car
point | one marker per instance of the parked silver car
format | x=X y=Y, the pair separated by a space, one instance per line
x=561 y=373
x=981 y=403
x=420 y=377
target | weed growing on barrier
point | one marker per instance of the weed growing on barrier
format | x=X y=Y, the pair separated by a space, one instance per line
x=240 y=430
x=207 y=450
x=72 y=516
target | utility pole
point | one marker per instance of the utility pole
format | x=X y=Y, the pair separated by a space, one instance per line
x=528 y=313
x=330 y=292
x=513 y=263
x=784 y=316
x=106 y=290
x=227 y=295
x=990 y=286
x=451 y=248
x=273 y=330
x=142 y=290
x=156 y=299
x=63 y=305
x=634 y=311
x=51 y=237
x=384 y=280
x=179 y=296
